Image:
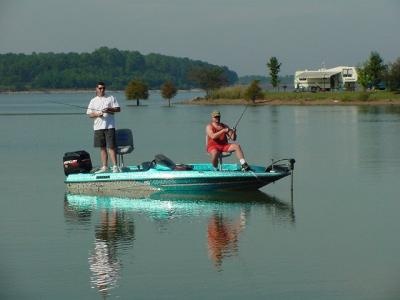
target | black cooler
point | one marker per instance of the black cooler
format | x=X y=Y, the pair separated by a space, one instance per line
x=77 y=162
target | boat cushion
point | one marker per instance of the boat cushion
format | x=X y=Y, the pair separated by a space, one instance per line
x=163 y=163
x=162 y=160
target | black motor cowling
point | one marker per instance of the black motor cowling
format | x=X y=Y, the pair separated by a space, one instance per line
x=77 y=162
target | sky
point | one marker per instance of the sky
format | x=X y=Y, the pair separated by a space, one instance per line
x=240 y=34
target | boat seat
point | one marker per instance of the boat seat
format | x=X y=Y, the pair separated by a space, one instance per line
x=220 y=157
x=124 y=145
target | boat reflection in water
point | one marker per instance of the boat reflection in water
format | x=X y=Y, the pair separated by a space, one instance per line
x=227 y=215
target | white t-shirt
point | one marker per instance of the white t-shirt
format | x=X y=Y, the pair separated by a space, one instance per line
x=97 y=104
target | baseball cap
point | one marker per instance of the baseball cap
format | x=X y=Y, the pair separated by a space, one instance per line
x=215 y=113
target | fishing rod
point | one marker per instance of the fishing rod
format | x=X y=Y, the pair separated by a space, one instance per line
x=73 y=105
x=240 y=118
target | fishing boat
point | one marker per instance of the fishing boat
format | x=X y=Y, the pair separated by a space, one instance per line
x=162 y=174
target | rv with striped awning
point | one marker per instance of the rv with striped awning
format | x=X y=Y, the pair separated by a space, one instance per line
x=338 y=78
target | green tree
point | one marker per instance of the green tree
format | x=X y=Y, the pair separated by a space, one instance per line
x=364 y=78
x=274 y=67
x=373 y=71
x=209 y=79
x=376 y=68
x=254 y=91
x=137 y=89
x=134 y=62
x=393 y=76
x=168 y=91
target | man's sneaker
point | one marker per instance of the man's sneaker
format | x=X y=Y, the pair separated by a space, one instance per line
x=115 y=169
x=245 y=167
x=101 y=170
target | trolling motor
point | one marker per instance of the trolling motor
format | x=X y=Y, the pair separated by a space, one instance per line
x=275 y=167
x=292 y=162
x=285 y=167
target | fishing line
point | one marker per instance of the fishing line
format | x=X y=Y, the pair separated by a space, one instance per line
x=73 y=105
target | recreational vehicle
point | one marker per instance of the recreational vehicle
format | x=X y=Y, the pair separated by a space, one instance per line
x=339 y=78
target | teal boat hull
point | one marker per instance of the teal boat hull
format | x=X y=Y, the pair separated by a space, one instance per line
x=200 y=177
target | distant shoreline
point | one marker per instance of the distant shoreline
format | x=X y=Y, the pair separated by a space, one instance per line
x=61 y=91
x=289 y=102
x=55 y=91
x=261 y=102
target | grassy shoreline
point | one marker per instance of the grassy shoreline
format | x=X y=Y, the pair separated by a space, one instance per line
x=288 y=102
x=304 y=98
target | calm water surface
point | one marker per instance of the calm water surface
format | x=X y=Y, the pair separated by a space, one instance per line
x=336 y=238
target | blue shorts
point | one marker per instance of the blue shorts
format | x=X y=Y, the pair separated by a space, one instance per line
x=104 y=138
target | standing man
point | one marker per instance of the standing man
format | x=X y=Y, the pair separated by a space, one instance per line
x=102 y=108
x=217 y=141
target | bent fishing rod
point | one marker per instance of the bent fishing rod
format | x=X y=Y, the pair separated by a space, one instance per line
x=240 y=118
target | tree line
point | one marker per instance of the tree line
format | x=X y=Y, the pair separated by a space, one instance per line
x=375 y=74
x=117 y=68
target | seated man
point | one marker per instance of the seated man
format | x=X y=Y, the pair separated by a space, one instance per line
x=217 y=141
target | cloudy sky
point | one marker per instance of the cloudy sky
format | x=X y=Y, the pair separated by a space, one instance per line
x=239 y=34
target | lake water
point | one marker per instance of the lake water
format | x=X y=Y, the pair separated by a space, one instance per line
x=336 y=238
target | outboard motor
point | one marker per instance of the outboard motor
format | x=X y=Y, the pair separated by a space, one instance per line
x=77 y=162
